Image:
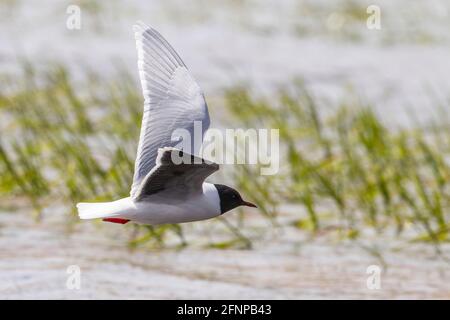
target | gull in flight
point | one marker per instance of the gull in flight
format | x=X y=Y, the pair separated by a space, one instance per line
x=164 y=190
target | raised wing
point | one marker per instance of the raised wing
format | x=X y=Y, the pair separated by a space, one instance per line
x=183 y=177
x=172 y=100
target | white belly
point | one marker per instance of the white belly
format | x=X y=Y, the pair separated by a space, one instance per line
x=162 y=208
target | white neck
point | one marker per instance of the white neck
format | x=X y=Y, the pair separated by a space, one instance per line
x=212 y=196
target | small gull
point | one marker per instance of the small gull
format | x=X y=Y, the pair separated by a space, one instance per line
x=164 y=190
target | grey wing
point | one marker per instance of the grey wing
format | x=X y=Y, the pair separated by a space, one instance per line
x=181 y=178
x=172 y=100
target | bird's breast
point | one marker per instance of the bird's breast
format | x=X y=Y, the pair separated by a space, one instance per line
x=153 y=211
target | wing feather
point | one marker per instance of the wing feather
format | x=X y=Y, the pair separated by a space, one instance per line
x=182 y=179
x=172 y=100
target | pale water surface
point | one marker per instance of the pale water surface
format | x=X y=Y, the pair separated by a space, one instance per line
x=35 y=257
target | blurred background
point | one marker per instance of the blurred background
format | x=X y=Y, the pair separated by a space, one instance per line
x=362 y=105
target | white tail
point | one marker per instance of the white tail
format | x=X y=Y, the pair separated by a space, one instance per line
x=119 y=208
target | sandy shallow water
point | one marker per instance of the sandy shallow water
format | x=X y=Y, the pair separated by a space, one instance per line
x=35 y=256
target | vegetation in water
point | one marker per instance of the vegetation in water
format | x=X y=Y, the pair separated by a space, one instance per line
x=62 y=142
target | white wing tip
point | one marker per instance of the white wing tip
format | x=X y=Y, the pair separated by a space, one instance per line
x=140 y=26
